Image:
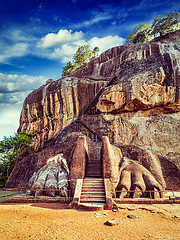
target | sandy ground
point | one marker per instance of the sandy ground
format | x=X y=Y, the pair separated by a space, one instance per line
x=55 y=221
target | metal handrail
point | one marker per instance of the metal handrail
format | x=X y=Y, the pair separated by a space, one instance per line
x=146 y=191
x=89 y=129
x=20 y=190
x=36 y=197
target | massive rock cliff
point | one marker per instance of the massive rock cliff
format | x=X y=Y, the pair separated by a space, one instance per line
x=129 y=93
x=54 y=106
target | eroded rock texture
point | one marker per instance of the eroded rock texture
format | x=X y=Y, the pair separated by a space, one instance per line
x=144 y=75
x=52 y=107
x=129 y=93
x=52 y=178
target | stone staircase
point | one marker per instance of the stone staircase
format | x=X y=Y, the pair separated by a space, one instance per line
x=93 y=193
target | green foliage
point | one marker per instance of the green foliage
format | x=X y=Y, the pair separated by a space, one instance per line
x=140 y=34
x=12 y=150
x=70 y=67
x=49 y=81
x=83 y=55
x=169 y=22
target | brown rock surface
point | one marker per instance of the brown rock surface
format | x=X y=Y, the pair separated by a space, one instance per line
x=54 y=106
x=129 y=93
x=152 y=129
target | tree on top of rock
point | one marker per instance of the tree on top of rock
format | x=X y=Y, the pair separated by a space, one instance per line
x=169 y=22
x=70 y=67
x=83 y=55
x=140 y=34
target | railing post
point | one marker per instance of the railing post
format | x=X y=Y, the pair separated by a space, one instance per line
x=150 y=196
x=5 y=195
x=35 y=195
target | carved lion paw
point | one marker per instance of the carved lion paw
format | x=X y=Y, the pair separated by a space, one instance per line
x=136 y=181
x=50 y=180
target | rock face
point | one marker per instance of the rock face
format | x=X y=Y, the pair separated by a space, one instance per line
x=52 y=107
x=129 y=93
x=144 y=75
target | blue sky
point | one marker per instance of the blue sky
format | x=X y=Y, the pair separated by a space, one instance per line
x=38 y=37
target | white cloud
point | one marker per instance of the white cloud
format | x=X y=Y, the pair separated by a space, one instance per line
x=106 y=43
x=13 y=91
x=16 y=50
x=66 y=49
x=13 y=98
x=19 y=83
x=62 y=37
x=59 y=46
x=95 y=19
x=105 y=12
x=9 y=120
x=66 y=52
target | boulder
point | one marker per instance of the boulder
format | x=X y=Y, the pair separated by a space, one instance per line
x=129 y=93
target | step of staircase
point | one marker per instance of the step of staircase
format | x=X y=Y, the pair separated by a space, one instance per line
x=94 y=169
x=91 y=166
x=94 y=162
x=93 y=200
x=93 y=181
x=91 y=174
x=93 y=193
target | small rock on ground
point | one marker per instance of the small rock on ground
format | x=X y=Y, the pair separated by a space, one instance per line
x=132 y=216
x=110 y=223
x=114 y=210
x=97 y=214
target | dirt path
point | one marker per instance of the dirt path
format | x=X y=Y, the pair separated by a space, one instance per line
x=54 y=221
